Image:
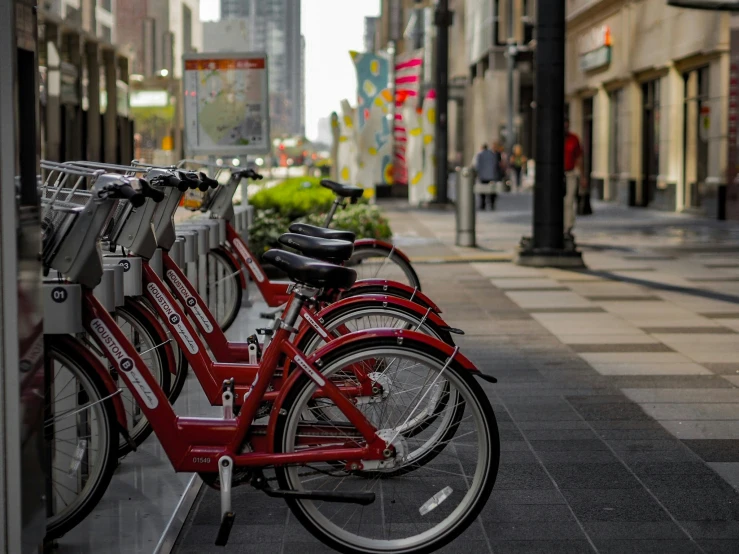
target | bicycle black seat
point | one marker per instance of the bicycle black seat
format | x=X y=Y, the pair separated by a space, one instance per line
x=345 y=191
x=321 y=232
x=311 y=272
x=328 y=250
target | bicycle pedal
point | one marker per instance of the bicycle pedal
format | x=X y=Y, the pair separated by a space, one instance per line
x=227 y=523
x=266 y=331
x=269 y=315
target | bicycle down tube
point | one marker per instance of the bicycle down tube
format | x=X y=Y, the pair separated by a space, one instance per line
x=196 y=444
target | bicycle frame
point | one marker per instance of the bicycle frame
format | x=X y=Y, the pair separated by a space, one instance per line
x=196 y=444
x=276 y=293
x=225 y=351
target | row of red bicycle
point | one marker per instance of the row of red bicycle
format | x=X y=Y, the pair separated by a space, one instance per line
x=357 y=408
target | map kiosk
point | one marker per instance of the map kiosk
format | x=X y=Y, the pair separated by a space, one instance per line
x=226 y=104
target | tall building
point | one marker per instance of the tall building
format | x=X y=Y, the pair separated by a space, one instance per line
x=156 y=33
x=274 y=27
x=370 y=33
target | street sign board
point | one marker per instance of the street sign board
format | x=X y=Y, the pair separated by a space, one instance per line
x=226 y=104
x=726 y=5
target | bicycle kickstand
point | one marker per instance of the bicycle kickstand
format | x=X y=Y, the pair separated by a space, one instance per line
x=225 y=473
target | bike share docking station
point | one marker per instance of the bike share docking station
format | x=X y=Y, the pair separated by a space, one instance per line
x=123 y=277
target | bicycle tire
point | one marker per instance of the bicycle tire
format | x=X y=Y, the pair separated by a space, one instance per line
x=63 y=348
x=182 y=367
x=365 y=251
x=141 y=431
x=232 y=275
x=304 y=510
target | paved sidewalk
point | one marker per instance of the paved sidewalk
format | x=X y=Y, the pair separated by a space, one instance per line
x=617 y=398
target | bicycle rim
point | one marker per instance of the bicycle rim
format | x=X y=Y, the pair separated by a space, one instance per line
x=418 y=512
x=79 y=430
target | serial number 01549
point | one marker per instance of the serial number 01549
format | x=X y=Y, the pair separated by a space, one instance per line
x=197 y=460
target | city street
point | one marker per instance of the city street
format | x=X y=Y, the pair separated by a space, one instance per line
x=617 y=399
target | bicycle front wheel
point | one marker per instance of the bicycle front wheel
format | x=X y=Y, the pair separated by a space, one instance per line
x=80 y=431
x=413 y=512
x=374 y=261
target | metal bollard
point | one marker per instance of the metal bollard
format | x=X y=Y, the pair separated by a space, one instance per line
x=466 y=208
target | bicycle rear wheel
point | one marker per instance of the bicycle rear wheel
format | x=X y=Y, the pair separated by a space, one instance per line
x=412 y=512
x=80 y=430
x=372 y=261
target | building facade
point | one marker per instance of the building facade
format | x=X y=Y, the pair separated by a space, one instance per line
x=156 y=34
x=478 y=73
x=83 y=82
x=647 y=88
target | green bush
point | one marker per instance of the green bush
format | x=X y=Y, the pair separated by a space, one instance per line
x=294 y=197
x=364 y=220
x=265 y=229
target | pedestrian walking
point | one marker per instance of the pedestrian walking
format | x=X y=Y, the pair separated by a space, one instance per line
x=516 y=164
x=573 y=171
x=488 y=166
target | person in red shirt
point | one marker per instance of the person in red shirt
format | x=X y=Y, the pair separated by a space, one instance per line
x=573 y=150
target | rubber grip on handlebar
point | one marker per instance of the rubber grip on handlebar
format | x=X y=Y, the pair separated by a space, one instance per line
x=129 y=193
x=150 y=192
x=207 y=181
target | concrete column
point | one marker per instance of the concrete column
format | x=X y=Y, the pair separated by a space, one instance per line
x=672 y=153
x=634 y=102
x=53 y=92
x=110 y=129
x=75 y=134
x=719 y=130
x=125 y=135
x=93 y=107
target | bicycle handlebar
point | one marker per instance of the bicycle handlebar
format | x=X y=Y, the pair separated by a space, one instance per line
x=125 y=191
x=150 y=192
x=249 y=173
x=207 y=182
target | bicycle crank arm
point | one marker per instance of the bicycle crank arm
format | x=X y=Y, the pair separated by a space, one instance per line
x=361 y=498
x=453 y=330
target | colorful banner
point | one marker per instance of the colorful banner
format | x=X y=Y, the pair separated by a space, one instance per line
x=408 y=69
x=373 y=72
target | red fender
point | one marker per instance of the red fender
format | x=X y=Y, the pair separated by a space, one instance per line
x=352 y=342
x=136 y=304
x=71 y=344
x=235 y=261
x=385 y=285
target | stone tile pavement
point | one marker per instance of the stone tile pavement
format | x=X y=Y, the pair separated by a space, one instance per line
x=617 y=400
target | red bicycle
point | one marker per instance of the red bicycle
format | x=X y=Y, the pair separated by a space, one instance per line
x=319 y=327
x=323 y=448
